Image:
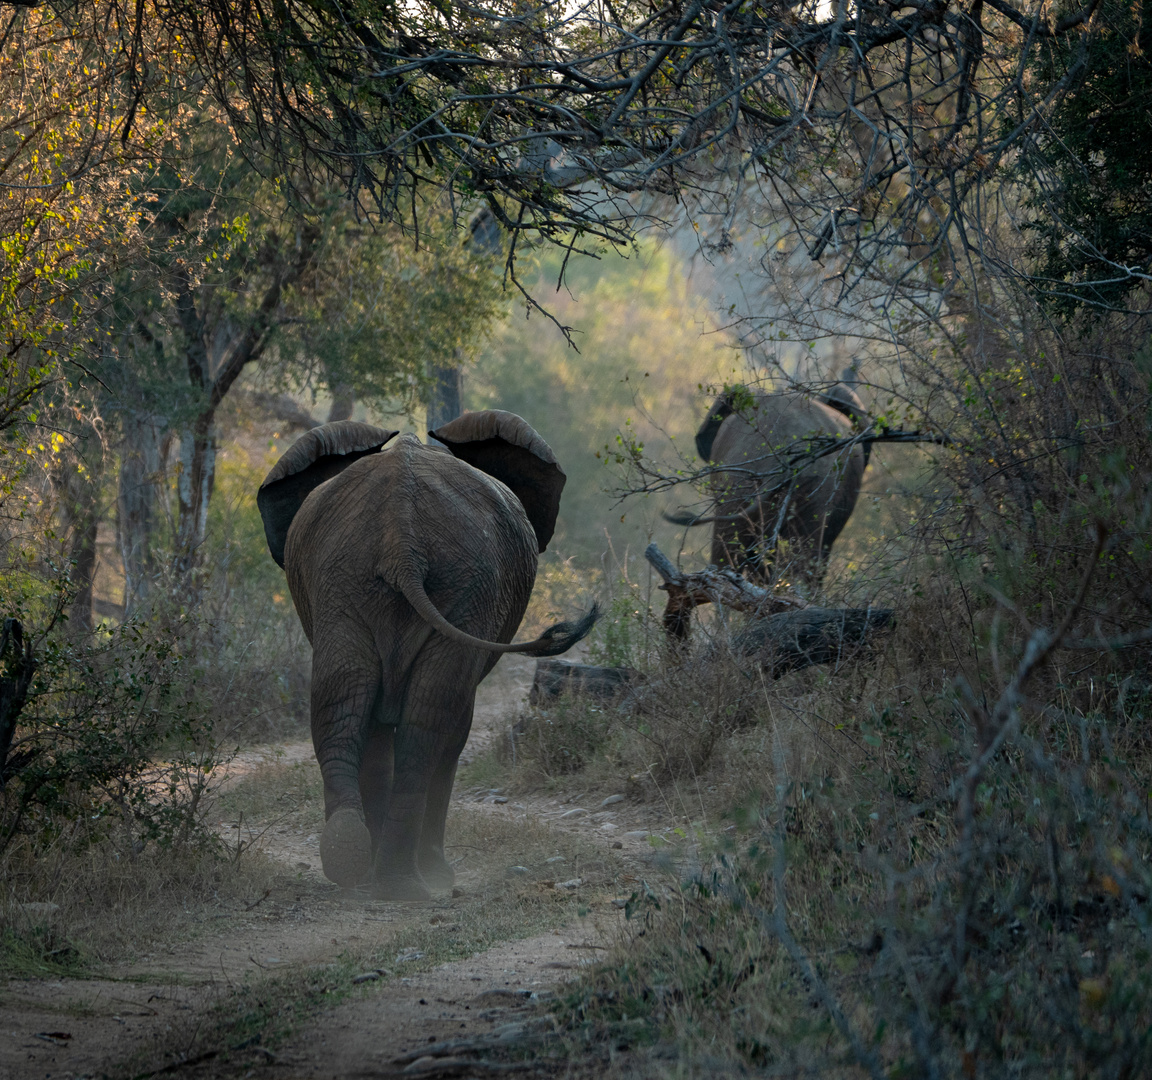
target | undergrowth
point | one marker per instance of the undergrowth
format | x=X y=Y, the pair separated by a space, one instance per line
x=880 y=872
x=68 y=912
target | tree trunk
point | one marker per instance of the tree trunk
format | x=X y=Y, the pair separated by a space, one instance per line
x=20 y=666
x=140 y=469
x=444 y=402
x=84 y=527
x=486 y=235
x=343 y=403
x=194 y=488
x=81 y=518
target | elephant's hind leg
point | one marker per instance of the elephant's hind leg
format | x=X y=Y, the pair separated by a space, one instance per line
x=345 y=682
x=346 y=849
x=434 y=725
x=434 y=865
x=376 y=777
x=396 y=874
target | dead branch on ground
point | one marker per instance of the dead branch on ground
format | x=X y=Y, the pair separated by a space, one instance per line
x=712 y=585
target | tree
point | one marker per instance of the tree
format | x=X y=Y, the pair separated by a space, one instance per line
x=239 y=274
x=1092 y=161
x=74 y=134
x=871 y=127
x=87 y=103
x=145 y=268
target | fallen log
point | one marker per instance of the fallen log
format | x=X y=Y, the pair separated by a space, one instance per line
x=791 y=640
x=556 y=677
x=712 y=585
x=783 y=642
x=779 y=641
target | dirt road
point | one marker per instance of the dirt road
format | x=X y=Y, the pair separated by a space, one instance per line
x=307 y=980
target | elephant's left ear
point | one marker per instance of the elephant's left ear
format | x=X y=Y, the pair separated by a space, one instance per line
x=315 y=457
x=504 y=446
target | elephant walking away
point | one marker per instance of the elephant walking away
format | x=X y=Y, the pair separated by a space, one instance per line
x=411 y=567
x=771 y=495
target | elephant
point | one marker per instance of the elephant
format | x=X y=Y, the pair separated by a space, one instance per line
x=410 y=566
x=774 y=491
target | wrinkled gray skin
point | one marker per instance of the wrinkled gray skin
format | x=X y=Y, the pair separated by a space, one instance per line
x=820 y=494
x=409 y=568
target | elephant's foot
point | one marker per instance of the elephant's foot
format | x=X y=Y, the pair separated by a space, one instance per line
x=346 y=849
x=400 y=887
x=437 y=871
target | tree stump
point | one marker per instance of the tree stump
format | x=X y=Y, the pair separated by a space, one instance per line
x=712 y=585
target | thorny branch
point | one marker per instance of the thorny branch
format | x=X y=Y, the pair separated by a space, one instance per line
x=784 y=462
x=873 y=123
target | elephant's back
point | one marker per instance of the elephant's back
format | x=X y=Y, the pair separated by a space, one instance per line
x=337 y=512
x=412 y=506
x=409 y=494
x=777 y=421
x=462 y=513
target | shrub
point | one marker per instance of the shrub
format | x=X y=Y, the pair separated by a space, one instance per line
x=677 y=721
x=110 y=744
x=623 y=635
x=561 y=739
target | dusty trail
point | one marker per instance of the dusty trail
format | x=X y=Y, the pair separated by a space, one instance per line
x=153 y=1012
x=434 y=1021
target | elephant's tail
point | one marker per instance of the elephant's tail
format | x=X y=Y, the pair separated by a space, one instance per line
x=554 y=641
x=713 y=519
x=688 y=519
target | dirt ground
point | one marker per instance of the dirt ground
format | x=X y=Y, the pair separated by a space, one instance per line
x=406 y=1013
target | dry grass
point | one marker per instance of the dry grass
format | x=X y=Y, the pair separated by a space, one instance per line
x=69 y=912
x=273 y=793
x=836 y=910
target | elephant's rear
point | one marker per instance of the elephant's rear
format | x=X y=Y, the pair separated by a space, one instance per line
x=411 y=511
x=407 y=565
x=770 y=444
x=475 y=551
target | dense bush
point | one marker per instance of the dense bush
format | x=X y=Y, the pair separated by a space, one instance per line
x=112 y=743
x=893 y=875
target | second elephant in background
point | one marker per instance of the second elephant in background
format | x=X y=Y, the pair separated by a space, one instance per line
x=782 y=486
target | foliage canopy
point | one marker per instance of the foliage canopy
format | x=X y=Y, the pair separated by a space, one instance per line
x=877 y=130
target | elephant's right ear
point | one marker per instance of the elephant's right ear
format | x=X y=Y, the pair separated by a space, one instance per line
x=722 y=408
x=313 y=458
x=504 y=446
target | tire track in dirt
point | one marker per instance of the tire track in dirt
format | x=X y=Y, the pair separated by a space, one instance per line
x=431 y=1020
